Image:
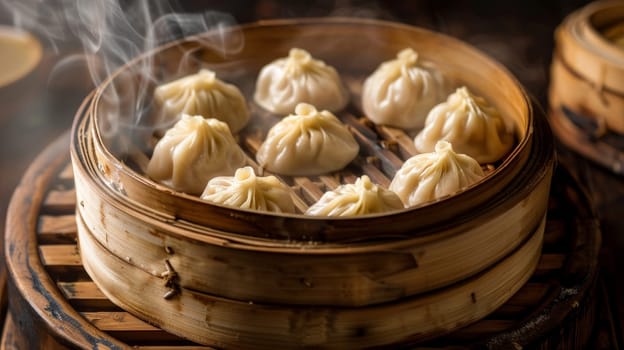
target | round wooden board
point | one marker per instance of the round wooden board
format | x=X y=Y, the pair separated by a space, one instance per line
x=55 y=305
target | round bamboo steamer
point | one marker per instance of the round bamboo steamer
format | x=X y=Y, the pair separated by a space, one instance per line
x=55 y=305
x=314 y=273
x=587 y=70
x=207 y=267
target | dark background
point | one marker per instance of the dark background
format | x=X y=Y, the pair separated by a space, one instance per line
x=519 y=34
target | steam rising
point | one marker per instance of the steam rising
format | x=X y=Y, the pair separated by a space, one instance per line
x=113 y=33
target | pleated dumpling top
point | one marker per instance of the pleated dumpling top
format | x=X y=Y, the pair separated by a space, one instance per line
x=192 y=152
x=402 y=91
x=246 y=190
x=362 y=197
x=299 y=78
x=202 y=94
x=429 y=176
x=473 y=126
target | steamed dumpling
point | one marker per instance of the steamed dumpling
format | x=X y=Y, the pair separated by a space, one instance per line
x=203 y=94
x=468 y=122
x=247 y=191
x=286 y=82
x=192 y=152
x=363 y=197
x=306 y=143
x=428 y=176
x=402 y=91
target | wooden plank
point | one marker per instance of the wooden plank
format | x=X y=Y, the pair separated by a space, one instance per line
x=511 y=311
x=549 y=263
x=554 y=232
x=128 y=328
x=330 y=182
x=57 y=224
x=67 y=173
x=85 y=295
x=60 y=255
x=404 y=142
x=363 y=125
x=530 y=294
x=62 y=261
x=309 y=190
x=482 y=329
x=60 y=201
x=118 y=321
x=524 y=301
x=376 y=175
x=57 y=229
x=388 y=161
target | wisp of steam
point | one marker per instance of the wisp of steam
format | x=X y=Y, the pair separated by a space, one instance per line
x=113 y=33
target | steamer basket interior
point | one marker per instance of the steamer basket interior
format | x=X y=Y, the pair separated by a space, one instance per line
x=124 y=128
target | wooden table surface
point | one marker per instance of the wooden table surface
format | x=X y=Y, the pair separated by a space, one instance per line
x=518 y=34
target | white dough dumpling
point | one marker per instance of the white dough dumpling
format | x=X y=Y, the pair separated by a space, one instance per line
x=309 y=142
x=401 y=92
x=192 y=152
x=468 y=122
x=202 y=94
x=362 y=197
x=247 y=191
x=429 y=176
x=286 y=82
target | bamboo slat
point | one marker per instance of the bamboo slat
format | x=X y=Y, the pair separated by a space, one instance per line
x=61 y=201
x=60 y=255
x=57 y=229
x=85 y=295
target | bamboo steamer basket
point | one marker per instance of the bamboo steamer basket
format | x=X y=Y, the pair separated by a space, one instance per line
x=587 y=70
x=238 y=278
